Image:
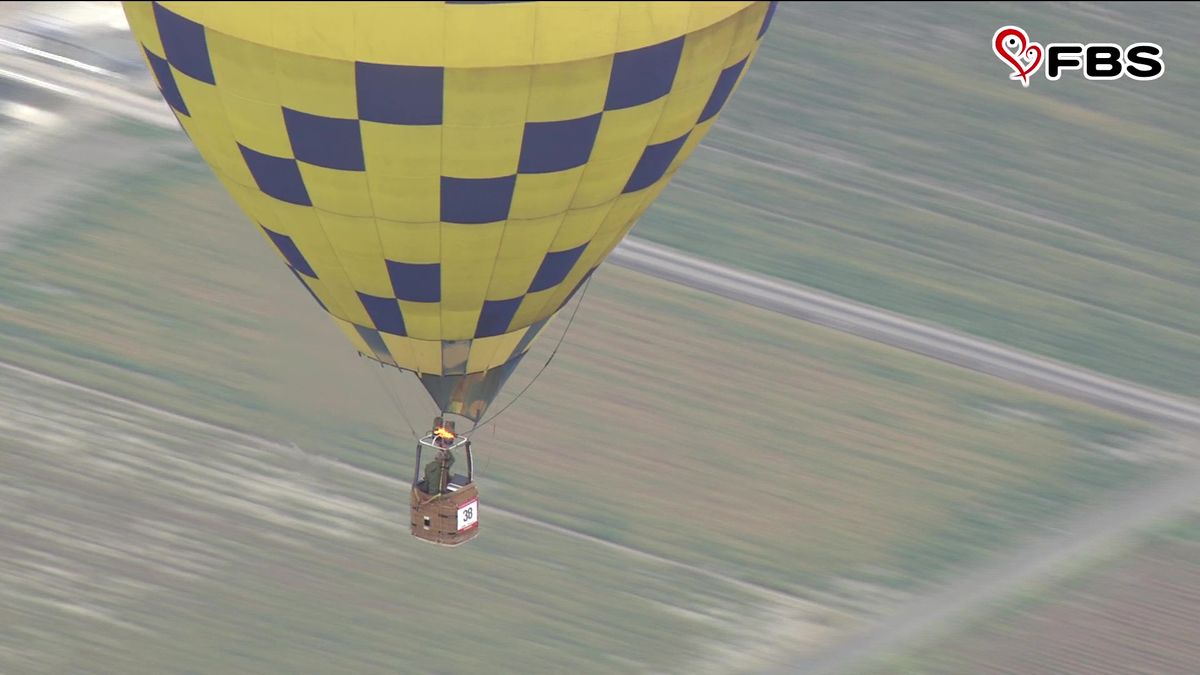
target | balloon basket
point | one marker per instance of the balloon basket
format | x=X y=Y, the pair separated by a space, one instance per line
x=439 y=519
x=447 y=512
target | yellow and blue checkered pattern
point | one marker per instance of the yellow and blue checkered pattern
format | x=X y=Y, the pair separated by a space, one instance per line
x=443 y=176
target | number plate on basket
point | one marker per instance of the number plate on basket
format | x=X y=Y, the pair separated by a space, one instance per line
x=468 y=515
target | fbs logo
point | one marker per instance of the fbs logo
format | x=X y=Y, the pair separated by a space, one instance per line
x=1097 y=60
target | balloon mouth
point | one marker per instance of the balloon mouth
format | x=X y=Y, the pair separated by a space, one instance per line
x=468 y=395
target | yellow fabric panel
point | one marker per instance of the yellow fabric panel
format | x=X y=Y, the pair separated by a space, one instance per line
x=209 y=130
x=258 y=206
x=401 y=348
x=409 y=150
x=140 y=16
x=746 y=39
x=411 y=242
x=705 y=14
x=522 y=249
x=625 y=210
x=693 y=140
x=489 y=352
x=682 y=108
x=422 y=320
x=298 y=26
x=742 y=76
x=333 y=288
x=504 y=65
x=253 y=21
x=554 y=45
x=598 y=249
x=505 y=345
x=652 y=194
x=486 y=97
x=580 y=224
x=492 y=35
x=247 y=198
x=356 y=244
x=566 y=91
x=427 y=355
x=648 y=23
x=624 y=132
x=486 y=35
x=544 y=194
x=243 y=68
x=558 y=295
x=337 y=191
x=317 y=86
x=304 y=227
x=318 y=289
x=352 y=335
x=257 y=125
x=405 y=200
x=531 y=308
x=554 y=297
x=217 y=146
x=511 y=276
x=468 y=256
x=481 y=152
x=603 y=180
x=704 y=54
x=401 y=32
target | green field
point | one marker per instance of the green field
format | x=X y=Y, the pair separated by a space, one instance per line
x=1136 y=609
x=672 y=421
x=137 y=543
x=882 y=154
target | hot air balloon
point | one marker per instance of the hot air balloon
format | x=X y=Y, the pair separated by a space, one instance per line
x=442 y=177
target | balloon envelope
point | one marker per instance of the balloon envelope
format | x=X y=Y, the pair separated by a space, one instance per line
x=443 y=176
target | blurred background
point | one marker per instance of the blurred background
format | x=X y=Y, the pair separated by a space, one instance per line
x=900 y=374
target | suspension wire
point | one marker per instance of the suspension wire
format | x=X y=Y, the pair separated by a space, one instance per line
x=395 y=400
x=587 y=284
x=489 y=459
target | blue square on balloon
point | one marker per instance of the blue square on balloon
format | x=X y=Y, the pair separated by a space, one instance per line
x=578 y=285
x=721 y=91
x=291 y=253
x=184 y=44
x=384 y=313
x=653 y=163
x=642 y=75
x=416 y=282
x=476 y=200
x=399 y=94
x=278 y=177
x=496 y=315
x=375 y=343
x=166 y=82
x=555 y=267
x=309 y=289
x=557 y=146
x=331 y=142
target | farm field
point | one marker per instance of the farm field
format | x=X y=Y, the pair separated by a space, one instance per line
x=664 y=409
x=880 y=153
x=1136 y=610
x=135 y=541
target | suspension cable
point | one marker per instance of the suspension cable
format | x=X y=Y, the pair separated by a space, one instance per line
x=545 y=365
x=395 y=400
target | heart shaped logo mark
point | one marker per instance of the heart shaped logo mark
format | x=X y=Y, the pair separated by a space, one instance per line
x=1013 y=47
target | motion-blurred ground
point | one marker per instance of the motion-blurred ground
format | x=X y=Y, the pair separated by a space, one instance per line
x=695 y=485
